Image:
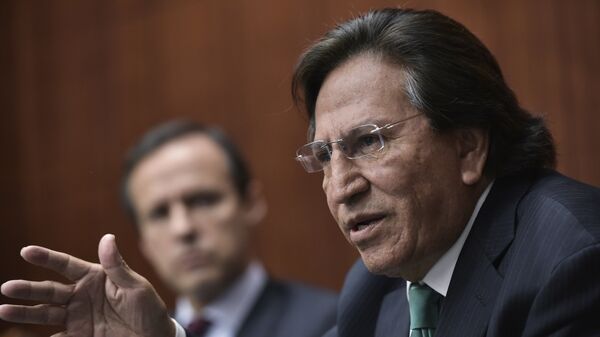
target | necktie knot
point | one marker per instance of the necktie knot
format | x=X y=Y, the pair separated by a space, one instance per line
x=199 y=326
x=424 y=304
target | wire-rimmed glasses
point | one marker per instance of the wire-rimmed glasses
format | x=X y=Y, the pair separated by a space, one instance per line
x=359 y=142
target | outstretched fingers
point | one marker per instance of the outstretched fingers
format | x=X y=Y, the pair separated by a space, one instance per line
x=45 y=291
x=114 y=266
x=38 y=314
x=64 y=264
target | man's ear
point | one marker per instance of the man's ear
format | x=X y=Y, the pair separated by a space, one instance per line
x=473 y=145
x=255 y=203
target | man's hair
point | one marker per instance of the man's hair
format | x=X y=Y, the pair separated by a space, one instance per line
x=175 y=130
x=449 y=75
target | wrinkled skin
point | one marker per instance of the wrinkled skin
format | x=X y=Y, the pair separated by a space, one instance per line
x=104 y=300
x=412 y=198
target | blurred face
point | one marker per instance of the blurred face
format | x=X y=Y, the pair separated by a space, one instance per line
x=403 y=207
x=194 y=226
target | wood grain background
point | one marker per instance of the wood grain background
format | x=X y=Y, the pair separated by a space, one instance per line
x=80 y=81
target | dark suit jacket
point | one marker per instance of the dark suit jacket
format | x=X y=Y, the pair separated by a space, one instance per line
x=529 y=267
x=286 y=309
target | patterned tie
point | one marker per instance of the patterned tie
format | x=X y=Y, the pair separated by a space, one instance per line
x=424 y=304
x=198 y=327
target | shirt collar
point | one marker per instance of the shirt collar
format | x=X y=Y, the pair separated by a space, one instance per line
x=439 y=276
x=228 y=311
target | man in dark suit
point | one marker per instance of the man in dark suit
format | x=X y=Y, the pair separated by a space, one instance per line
x=444 y=185
x=437 y=176
x=195 y=205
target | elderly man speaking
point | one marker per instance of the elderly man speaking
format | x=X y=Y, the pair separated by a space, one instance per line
x=436 y=175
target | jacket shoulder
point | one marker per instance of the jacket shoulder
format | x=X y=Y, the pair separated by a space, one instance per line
x=565 y=205
x=371 y=305
x=291 y=309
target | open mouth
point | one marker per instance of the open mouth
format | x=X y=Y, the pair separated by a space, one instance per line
x=367 y=223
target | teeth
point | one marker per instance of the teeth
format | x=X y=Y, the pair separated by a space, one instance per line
x=361 y=227
x=364 y=224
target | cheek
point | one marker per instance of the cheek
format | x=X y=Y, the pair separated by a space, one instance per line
x=392 y=177
x=403 y=183
x=153 y=236
x=328 y=193
x=227 y=237
x=219 y=223
x=157 y=250
x=414 y=167
x=325 y=186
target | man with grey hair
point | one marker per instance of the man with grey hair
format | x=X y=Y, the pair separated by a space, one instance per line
x=444 y=184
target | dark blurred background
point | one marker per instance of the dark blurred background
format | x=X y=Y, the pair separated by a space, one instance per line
x=80 y=81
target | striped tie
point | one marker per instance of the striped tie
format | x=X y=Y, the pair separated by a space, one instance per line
x=424 y=304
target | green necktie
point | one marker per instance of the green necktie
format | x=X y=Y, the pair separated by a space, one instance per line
x=424 y=304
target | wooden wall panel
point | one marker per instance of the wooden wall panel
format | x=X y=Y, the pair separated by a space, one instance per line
x=82 y=80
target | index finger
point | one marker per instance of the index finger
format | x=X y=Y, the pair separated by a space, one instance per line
x=67 y=265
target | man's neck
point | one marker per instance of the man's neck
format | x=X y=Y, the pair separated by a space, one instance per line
x=201 y=298
x=439 y=275
x=228 y=310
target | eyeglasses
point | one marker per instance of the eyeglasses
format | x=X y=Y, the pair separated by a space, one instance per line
x=360 y=141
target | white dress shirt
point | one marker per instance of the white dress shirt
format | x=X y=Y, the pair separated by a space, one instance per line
x=229 y=311
x=439 y=276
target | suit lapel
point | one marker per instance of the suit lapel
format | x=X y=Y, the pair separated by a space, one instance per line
x=263 y=318
x=394 y=318
x=361 y=302
x=476 y=280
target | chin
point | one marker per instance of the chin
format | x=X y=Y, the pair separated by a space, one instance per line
x=209 y=290
x=383 y=264
x=192 y=283
x=376 y=264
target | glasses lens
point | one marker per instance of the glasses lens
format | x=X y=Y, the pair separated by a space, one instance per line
x=362 y=141
x=313 y=156
x=359 y=142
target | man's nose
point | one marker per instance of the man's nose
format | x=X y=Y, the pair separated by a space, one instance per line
x=343 y=182
x=181 y=222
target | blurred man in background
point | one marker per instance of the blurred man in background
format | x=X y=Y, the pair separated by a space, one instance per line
x=196 y=205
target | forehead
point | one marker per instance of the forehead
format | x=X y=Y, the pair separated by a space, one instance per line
x=180 y=166
x=364 y=89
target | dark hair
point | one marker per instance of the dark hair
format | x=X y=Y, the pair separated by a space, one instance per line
x=449 y=75
x=173 y=130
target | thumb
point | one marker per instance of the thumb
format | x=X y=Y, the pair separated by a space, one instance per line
x=113 y=264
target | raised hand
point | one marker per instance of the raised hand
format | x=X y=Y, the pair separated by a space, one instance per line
x=105 y=300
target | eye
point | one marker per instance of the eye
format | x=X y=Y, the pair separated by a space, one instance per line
x=322 y=154
x=367 y=142
x=203 y=199
x=158 y=213
x=368 y=139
